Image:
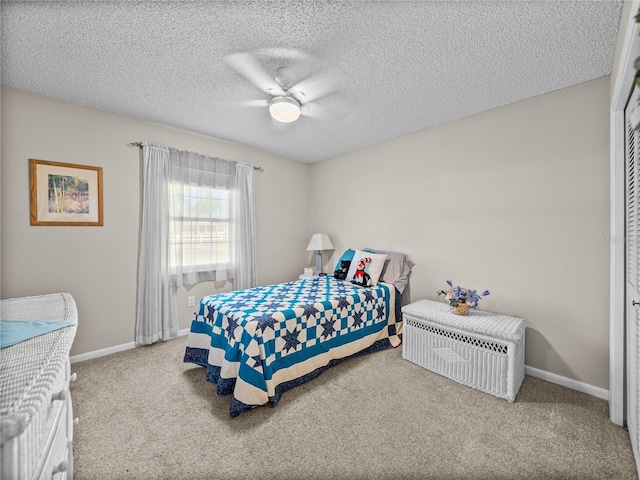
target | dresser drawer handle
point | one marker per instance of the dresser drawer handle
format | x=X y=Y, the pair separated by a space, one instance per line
x=62 y=467
x=61 y=395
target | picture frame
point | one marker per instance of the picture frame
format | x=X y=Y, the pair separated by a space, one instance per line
x=65 y=194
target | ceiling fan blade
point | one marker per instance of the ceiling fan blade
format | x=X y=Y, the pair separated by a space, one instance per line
x=254 y=103
x=243 y=103
x=249 y=68
x=317 y=86
x=319 y=112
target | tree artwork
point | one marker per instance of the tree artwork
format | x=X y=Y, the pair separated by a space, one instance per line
x=68 y=194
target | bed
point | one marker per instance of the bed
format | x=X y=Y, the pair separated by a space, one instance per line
x=258 y=343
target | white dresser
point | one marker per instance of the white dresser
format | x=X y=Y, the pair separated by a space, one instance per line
x=36 y=418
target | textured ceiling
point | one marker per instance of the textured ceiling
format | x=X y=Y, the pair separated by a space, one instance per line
x=407 y=65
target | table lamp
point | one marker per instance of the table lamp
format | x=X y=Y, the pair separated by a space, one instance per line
x=319 y=242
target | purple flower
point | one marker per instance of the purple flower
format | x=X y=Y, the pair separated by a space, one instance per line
x=458 y=295
x=472 y=298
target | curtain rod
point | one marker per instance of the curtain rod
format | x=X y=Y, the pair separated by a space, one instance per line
x=140 y=144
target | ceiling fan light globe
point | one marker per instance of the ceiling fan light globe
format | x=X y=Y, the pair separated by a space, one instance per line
x=284 y=109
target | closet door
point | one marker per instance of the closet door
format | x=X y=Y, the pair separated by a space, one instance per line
x=632 y=293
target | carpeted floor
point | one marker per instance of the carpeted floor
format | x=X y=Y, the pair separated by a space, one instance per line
x=144 y=414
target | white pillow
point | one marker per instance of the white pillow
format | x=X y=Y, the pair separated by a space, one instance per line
x=366 y=268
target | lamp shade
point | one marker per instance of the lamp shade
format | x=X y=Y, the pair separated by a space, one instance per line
x=320 y=241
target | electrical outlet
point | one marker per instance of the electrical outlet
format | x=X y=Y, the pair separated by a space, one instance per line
x=191 y=301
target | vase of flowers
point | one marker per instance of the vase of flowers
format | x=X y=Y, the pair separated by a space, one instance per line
x=462 y=299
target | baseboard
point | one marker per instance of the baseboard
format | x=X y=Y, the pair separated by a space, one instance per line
x=567 y=382
x=534 y=372
x=109 y=350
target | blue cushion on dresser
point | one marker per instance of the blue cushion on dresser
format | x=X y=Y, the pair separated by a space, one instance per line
x=16 y=331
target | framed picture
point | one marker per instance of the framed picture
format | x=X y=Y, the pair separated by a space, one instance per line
x=65 y=194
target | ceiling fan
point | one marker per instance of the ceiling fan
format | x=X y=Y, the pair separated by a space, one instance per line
x=290 y=96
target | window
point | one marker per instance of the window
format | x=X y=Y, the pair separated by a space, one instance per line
x=199 y=227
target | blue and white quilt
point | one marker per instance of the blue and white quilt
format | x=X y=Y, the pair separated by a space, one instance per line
x=260 y=342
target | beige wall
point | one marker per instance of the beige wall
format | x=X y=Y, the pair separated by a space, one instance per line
x=514 y=200
x=98 y=265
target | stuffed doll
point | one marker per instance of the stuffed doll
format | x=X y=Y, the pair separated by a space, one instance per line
x=361 y=277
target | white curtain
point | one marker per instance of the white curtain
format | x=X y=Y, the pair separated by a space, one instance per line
x=186 y=196
x=244 y=233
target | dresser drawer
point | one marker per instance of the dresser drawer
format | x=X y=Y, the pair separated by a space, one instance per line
x=57 y=396
x=55 y=461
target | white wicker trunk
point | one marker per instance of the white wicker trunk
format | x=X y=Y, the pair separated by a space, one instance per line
x=482 y=350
